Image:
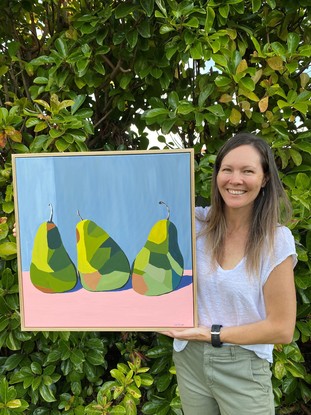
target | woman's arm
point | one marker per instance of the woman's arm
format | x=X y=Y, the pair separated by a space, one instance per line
x=277 y=327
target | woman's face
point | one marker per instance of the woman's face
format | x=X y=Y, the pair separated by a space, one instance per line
x=240 y=177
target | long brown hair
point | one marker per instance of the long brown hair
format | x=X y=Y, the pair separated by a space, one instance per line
x=270 y=204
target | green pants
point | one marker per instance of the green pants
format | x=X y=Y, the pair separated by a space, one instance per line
x=228 y=381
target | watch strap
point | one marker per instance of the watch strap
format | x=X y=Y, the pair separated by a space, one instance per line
x=215 y=335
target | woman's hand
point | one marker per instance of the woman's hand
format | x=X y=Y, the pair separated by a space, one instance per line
x=14 y=230
x=200 y=333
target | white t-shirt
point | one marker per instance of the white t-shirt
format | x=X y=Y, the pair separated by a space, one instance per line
x=233 y=297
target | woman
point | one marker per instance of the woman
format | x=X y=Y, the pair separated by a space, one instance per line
x=246 y=291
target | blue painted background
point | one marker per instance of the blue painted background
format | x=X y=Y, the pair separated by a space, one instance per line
x=121 y=193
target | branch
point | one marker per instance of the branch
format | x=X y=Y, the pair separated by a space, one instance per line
x=116 y=68
x=103 y=118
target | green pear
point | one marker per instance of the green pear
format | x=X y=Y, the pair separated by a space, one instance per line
x=102 y=264
x=159 y=265
x=51 y=269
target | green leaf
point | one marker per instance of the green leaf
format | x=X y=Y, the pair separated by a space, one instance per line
x=117 y=374
x=296 y=156
x=146 y=379
x=132 y=37
x=44 y=104
x=64 y=104
x=301 y=107
x=279 y=370
x=196 y=51
x=125 y=80
x=77 y=356
x=155 y=112
x=13 y=48
x=305 y=50
x=53 y=356
x=158 y=351
x=61 y=47
x=209 y=20
x=36 y=368
x=130 y=405
x=124 y=9
x=185 y=108
x=12 y=362
x=55 y=133
x=302 y=181
x=42 y=60
x=49 y=370
x=163 y=382
x=296 y=369
x=12 y=342
x=193 y=22
x=303 y=282
x=289 y=385
x=148 y=6
x=216 y=110
x=282 y=131
x=41 y=80
x=144 y=29
x=222 y=80
x=61 y=145
x=134 y=391
x=40 y=126
x=173 y=99
x=256 y=4
x=154 y=406
x=167 y=125
x=292 y=42
x=7 y=249
x=161 y=5
x=36 y=383
x=305 y=392
x=278 y=48
x=304 y=146
x=166 y=29
x=117 y=410
x=46 y=393
x=257 y=46
x=247 y=83
x=95 y=357
x=224 y=10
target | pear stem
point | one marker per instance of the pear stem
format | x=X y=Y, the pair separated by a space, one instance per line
x=78 y=213
x=51 y=212
x=167 y=208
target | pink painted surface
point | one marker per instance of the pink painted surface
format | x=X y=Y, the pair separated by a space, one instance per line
x=83 y=309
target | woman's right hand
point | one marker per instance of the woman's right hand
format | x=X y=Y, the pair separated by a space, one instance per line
x=14 y=230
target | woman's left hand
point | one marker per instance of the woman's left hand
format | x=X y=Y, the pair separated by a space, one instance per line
x=200 y=333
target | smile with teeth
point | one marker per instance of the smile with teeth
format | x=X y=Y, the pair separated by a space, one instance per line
x=236 y=192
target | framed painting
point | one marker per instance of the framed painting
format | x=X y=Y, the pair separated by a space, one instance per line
x=106 y=240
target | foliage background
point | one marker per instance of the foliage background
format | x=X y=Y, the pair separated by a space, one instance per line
x=107 y=75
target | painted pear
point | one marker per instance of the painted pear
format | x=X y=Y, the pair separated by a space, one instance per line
x=159 y=266
x=51 y=269
x=102 y=264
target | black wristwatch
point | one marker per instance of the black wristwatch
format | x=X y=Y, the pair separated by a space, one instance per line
x=215 y=335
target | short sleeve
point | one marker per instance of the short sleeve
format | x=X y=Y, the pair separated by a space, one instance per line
x=200 y=217
x=284 y=246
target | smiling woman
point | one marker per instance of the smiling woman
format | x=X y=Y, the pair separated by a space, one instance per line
x=246 y=292
x=241 y=178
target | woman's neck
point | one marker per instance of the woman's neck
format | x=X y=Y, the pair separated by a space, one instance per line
x=237 y=221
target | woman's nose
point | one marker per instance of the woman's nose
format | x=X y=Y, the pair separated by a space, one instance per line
x=236 y=177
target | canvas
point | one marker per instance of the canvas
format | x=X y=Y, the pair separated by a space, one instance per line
x=106 y=240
